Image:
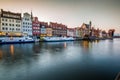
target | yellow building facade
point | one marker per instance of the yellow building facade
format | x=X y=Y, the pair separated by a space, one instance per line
x=49 y=32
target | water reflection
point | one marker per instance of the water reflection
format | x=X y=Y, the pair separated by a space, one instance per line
x=65 y=45
x=60 y=60
x=12 y=49
x=1 y=54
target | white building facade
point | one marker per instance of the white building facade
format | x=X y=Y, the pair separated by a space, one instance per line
x=10 y=23
x=27 y=24
x=70 y=32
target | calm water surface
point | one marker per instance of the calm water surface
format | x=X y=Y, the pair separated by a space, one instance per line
x=79 y=60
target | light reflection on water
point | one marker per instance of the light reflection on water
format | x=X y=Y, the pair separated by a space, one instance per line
x=94 y=60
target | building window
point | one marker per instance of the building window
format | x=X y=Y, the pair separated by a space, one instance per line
x=2 y=19
x=17 y=21
x=6 y=24
x=9 y=24
x=18 y=25
x=12 y=24
x=3 y=28
x=5 y=19
x=3 y=24
x=10 y=20
x=6 y=28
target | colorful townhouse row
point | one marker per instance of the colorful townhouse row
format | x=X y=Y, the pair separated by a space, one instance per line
x=13 y=24
x=86 y=30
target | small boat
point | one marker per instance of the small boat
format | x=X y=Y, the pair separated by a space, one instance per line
x=57 y=39
x=11 y=40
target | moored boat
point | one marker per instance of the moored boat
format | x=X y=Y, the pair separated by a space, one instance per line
x=9 y=40
x=57 y=39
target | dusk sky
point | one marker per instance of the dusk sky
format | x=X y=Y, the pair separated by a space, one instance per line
x=104 y=14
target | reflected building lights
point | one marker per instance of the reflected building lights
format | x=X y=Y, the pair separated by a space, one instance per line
x=12 y=49
x=97 y=41
x=65 y=45
x=1 y=54
x=85 y=44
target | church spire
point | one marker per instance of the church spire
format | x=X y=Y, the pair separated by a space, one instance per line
x=31 y=15
x=90 y=24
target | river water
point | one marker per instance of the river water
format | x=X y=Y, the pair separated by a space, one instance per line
x=75 y=60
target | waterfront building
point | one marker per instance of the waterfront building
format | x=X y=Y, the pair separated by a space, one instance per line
x=77 y=32
x=49 y=31
x=86 y=29
x=58 y=29
x=104 y=34
x=92 y=31
x=97 y=34
x=81 y=32
x=43 y=26
x=27 y=24
x=74 y=33
x=36 y=27
x=10 y=23
x=70 y=32
x=111 y=32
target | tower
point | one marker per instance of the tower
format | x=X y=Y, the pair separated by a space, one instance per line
x=31 y=16
x=90 y=31
x=90 y=25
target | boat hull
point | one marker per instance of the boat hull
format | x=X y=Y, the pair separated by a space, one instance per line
x=57 y=39
x=15 y=42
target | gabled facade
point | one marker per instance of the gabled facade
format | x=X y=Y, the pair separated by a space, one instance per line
x=43 y=27
x=36 y=27
x=10 y=23
x=27 y=24
x=49 y=31
x=70 y=32
x=58 y=29
x=86 y=29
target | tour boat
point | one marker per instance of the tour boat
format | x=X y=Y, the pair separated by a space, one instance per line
x=9 y=40
x=57 y=39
